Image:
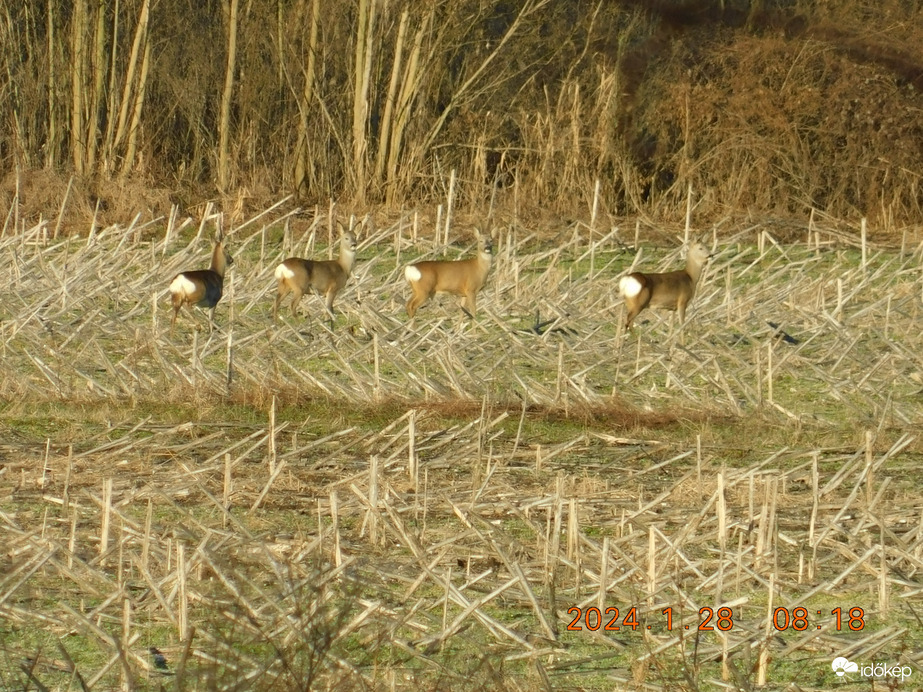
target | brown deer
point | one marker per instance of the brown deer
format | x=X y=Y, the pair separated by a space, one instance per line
x=202 y=287
x=459 y=277
x=297 y=276
x=670 y=290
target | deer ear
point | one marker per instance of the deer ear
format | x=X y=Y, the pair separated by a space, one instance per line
x=365 y=224
x=219 y=228
x=343 y=229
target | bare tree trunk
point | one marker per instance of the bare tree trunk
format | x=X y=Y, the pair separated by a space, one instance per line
x=410 y=85
x=136 y=47
x=99 y=74
x=280 y=44
x=302 y=154
x=224 y=124
x=385 y=129
x=19 y=137
x=363 y=66
x=109 y=142
x=51 y=147
x=78 y=97
x=466 y=90
x=131 y=149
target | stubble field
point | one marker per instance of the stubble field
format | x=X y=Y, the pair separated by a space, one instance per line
x=444 y=505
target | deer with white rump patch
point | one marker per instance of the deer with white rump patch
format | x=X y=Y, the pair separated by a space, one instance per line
x=670 y=290
x=202 y=287
x=459 y=277
x=298 y=276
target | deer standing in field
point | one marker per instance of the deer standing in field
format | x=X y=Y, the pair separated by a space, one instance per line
x=202 y=287
x=460 y=277
x=670 y=290
x=297 y=276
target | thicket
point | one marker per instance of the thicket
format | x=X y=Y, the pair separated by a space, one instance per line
x=768 y=107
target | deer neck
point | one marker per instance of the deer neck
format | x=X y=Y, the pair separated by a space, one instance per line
x=694 y=269
x=484 y=260
x=347 y=258
x=219 y=264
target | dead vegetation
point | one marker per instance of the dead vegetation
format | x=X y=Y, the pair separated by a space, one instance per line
x=764 y=107
x=374 y=506
x=750 y=122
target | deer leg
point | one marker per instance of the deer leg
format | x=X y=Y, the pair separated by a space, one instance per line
x=635 y=305
x=282 y=291
x=296 y=298
x=633 y=311
x=177 y=303
x=471 y=304
x=329 y=303
x=416 y=300
x=681 y=314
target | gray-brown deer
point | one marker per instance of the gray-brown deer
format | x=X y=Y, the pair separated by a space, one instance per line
x=670 y=290
x=297 y=276
x=202 y=287
x=459 y=277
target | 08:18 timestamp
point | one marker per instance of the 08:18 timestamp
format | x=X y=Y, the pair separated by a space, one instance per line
x=722 y=619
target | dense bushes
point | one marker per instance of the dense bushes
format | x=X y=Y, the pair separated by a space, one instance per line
x=763 y=108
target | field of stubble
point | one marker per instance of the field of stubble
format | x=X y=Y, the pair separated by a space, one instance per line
x=459 y=504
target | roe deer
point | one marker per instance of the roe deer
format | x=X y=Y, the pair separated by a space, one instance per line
x=670 y=290
x=202 y=287
x=459 y=277
x=297 y=276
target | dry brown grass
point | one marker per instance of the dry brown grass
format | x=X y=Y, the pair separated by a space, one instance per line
x=764 y=108
x=759 y=123
x=74 y=203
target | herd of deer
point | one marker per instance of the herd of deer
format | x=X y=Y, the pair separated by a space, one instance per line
x=296 y=276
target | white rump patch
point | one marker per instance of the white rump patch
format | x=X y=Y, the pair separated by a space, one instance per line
x=629 y=287
x=411 y=273
x=283 y=272
x=182 y=286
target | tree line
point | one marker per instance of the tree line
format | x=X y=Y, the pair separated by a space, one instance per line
x=378 y=101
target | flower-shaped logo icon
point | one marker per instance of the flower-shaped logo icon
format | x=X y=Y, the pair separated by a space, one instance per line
x=842 y=665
